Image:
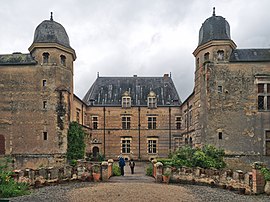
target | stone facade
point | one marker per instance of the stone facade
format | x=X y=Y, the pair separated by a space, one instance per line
x=138 y=117
x=230 y=102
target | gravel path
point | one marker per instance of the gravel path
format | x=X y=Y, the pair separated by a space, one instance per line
x=134 y=188
x=139 y=192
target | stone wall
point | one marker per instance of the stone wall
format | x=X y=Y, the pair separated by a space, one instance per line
x=47 y=175
x=245 y=183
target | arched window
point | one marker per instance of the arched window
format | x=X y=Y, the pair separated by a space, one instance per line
x=63 y=60
x=126 y=100
x=220 y=55
x=46 y=58
x=206 y=57
x=152 y=100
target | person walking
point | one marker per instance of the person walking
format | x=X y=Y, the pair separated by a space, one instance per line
x=122 y=165
x=132 y=165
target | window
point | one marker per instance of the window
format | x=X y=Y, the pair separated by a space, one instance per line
x=126 y=122
x=220 y=135
x=44 y=82
x=45 y=58
x=152 y=100
x=263 y=96
x=95 y=122
x=63 y=60
x=45 y=136
x=126 y=100
x=267 y=143
x=152 y=146
x=178 y=122
x=219 y=89
x=206 y=57
x=45 y=104
x=78 y=116
x=220 y=55
x=125 y=145
x=152 y=122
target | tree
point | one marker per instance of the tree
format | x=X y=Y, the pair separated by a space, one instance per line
x=76 y=144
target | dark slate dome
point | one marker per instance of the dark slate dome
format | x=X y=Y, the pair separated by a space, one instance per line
x=50 y=31
x=214 y=28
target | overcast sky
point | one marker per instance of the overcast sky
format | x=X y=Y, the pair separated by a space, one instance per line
x=128 y=37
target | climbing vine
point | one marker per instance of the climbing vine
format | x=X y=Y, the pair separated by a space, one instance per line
x=76 y=144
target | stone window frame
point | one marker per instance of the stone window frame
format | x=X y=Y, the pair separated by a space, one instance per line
x=94 y=122
x=126 y=122
x=45 y=135
x=178 y=122
x=126 y=100
x=44 y=83
x=78 y=113
x=263 y=98
x=206 y=57
x=220 y=89
x=220 y=55
x=45 y=57
x=63 y=60
x=152 y=145
x=266 y=142
x=126 y=145
x=152 y=100
x=45 y=105
x=152 y=122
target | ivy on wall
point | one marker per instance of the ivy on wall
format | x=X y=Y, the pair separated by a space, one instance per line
x=76 y=144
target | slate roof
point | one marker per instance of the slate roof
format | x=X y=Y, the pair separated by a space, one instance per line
x=214 y=28
x=50 y=31
x=108 y=91
x=250 y=55
x=17 y=59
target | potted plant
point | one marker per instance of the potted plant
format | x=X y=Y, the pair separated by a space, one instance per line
x=96 y=173
x=266 y=174
x=166 y=176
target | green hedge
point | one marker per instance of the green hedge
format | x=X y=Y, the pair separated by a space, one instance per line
x=207 y=157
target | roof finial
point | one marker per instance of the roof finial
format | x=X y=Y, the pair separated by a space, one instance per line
x=214 y=11
x=51 y=19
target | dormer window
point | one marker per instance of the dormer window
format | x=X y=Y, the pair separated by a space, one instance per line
x=45 y=58
x=126 y=100
x=206 y=57
x=152 y=100
x=63 y=60
x=220 y=55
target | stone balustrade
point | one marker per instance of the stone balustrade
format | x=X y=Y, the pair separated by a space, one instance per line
x=244 y=183
x=82 y=171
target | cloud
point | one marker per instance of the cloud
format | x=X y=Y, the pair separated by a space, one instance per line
x=127 y=37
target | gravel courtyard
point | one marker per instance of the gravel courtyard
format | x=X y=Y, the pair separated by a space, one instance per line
x=134 y=188
x=135 y=191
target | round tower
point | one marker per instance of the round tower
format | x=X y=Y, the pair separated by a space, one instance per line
x=54 y=55
x=215 y=44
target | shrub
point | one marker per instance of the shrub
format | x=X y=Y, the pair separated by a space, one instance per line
x=8 y=186
x=149 y=170
x=116 y=170
x=207 y=157
x=76 y=144
x=266 y=173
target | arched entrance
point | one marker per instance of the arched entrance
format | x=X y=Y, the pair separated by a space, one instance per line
x=2 y=145
x=95 y=152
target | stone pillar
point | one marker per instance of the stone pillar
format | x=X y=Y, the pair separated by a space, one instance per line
x=159 y=168
x=110 y=167
x=104 y=171
x=257 y=178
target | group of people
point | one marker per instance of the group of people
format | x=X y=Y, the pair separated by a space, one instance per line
x=122 y=164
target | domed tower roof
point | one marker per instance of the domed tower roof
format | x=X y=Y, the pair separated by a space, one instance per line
x=50 y=31
x=214 y=28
